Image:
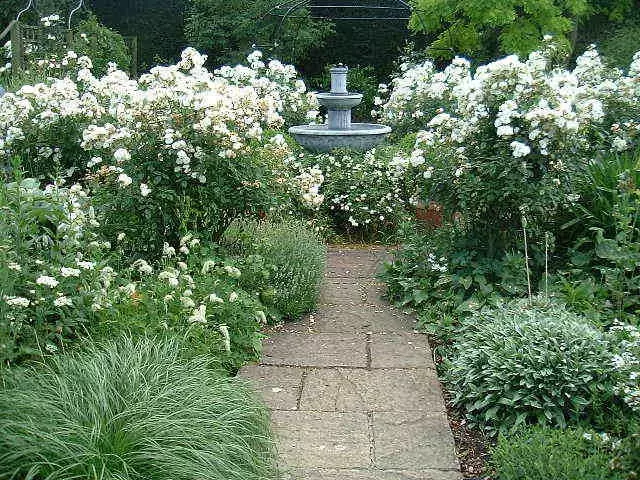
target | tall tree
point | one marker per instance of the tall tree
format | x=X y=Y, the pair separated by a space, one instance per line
x=486 y=28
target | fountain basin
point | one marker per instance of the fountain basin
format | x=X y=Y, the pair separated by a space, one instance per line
x=359 y=136
x=339 y=101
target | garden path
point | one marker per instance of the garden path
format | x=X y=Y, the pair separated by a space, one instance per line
x=352 y=389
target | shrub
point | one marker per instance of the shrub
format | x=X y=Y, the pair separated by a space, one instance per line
x=505 y=139
x=619 y=42
x=542 y=454
x=604 y=264
x=192 y=292
x=130 y=410
x=101 y=44
x=364 y=191
x=180 y=149
x=48 y=55
x=519 y=364
x=627 y=363
x=52 y=269
x=440 y=275
x=287 y=261
x=227 y=29
x=628 y=454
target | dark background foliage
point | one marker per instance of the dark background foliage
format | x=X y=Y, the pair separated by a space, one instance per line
x=226 y=30
x=158 y=24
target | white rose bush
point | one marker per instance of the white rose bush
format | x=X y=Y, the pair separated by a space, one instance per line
x=505 y=140
x=364 y=192
x=179 y=148
x=126 y=170
x=194 y=293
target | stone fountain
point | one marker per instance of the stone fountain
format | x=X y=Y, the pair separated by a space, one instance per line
x=339 y=131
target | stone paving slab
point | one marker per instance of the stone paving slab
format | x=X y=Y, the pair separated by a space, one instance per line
x=349 y=390
x=354 y=263
x=400 y=350
x=352 y=388
x=373 y=474
x=322 y=440
x=374 y=255
x=342 y=292
x=350 y=269
x=316 y=350
x=413 y=441
x=355 y=318
x=374 y=292
x=278 y=386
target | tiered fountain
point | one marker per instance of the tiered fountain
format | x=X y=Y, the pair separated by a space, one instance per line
x=339 y=131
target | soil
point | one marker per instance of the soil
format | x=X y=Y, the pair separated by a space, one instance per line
x=472 y=446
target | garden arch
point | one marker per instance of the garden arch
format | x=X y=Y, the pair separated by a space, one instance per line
x=338 y=10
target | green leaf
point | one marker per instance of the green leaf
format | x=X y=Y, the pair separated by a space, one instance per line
x=466 y=282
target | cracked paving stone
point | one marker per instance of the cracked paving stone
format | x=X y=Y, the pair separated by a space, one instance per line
x=322 y=440
x=374 y=293
x=353 y=390
x=351 y=264
x=414 y=441
x=348 y=390
x=278 y=386
x=400 y=350
x=360 y=318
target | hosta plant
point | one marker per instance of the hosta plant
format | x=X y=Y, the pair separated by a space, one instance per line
x=520 y=363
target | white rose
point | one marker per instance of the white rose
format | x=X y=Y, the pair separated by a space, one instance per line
x=122 y=155
x=124 y=180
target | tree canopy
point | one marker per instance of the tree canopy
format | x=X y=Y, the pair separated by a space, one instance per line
x=486 y=28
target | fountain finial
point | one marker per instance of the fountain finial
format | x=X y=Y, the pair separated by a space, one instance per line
x=339 y=79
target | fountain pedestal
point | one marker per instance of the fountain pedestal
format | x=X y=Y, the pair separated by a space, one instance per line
x=339 y=131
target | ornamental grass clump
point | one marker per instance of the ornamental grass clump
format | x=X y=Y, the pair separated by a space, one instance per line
x=519 y=364
x=132 y=410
